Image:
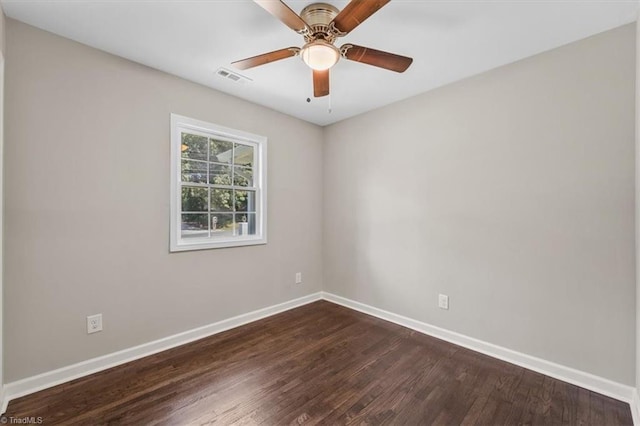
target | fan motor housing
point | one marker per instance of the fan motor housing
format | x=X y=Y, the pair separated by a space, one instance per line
x=318 y=16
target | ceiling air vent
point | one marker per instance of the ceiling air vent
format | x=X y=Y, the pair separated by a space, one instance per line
x=232 y=76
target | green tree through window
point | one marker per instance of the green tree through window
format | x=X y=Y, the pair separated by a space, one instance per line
x=217 y=180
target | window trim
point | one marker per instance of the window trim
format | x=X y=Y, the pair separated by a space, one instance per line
x=180 y=123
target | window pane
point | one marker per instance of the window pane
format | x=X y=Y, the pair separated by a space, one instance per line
x=194 y=199
x=221 y=151
x=242 y=176
x=243 y=155
x=194 y=147
x=221 y=225
x=221 y=200
x=245 y=224
x=194 y=171
x=219 y=174
x=245 y=201
x=195 y=226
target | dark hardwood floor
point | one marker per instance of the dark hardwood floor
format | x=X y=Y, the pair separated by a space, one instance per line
x=320 y=364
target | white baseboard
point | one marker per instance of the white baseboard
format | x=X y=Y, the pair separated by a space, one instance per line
x=42 y=381
x=635 y=407
x=567 y=374
x=3 y=399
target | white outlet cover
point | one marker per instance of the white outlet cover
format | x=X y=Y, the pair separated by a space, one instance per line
x=94 y=323
x=443 y=301
x=298 y=277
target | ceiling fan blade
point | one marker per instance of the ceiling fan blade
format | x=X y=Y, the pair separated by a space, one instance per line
x=281 y=11
x=377 y=58
x=320 y=83
x=265 y=58
x=355 y=13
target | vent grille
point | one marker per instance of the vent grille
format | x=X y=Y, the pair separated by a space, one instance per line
x=232 y=76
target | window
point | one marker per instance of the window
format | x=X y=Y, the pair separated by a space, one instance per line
x=218 y=186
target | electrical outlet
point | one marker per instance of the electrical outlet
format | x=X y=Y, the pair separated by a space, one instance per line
x=443 y=301
x=298 y=277
x=94 y=323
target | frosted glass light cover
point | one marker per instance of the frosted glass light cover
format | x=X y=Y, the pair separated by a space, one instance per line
x=320 y=55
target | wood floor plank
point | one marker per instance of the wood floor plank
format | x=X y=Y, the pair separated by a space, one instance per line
x=596 y=402
x=319 y=364
x=569 y=395
x=584 y=408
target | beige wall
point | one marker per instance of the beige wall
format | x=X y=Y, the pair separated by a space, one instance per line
x=637 y=194
x=512 y=192
x=87 y=206
x=2 y=30
x=2 y=53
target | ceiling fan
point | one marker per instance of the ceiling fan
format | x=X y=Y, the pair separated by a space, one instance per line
x=320 y=24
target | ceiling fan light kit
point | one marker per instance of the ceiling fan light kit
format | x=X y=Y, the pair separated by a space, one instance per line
x=320 y=55
x=320 y=24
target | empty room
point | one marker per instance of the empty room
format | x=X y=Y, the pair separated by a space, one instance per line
x=380 y=212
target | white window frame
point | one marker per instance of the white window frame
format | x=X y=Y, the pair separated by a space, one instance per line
x=180 y=124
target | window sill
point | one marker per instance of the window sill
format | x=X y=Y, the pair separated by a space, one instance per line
x=208 y=244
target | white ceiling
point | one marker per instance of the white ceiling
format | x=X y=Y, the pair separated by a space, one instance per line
x=448 y=39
